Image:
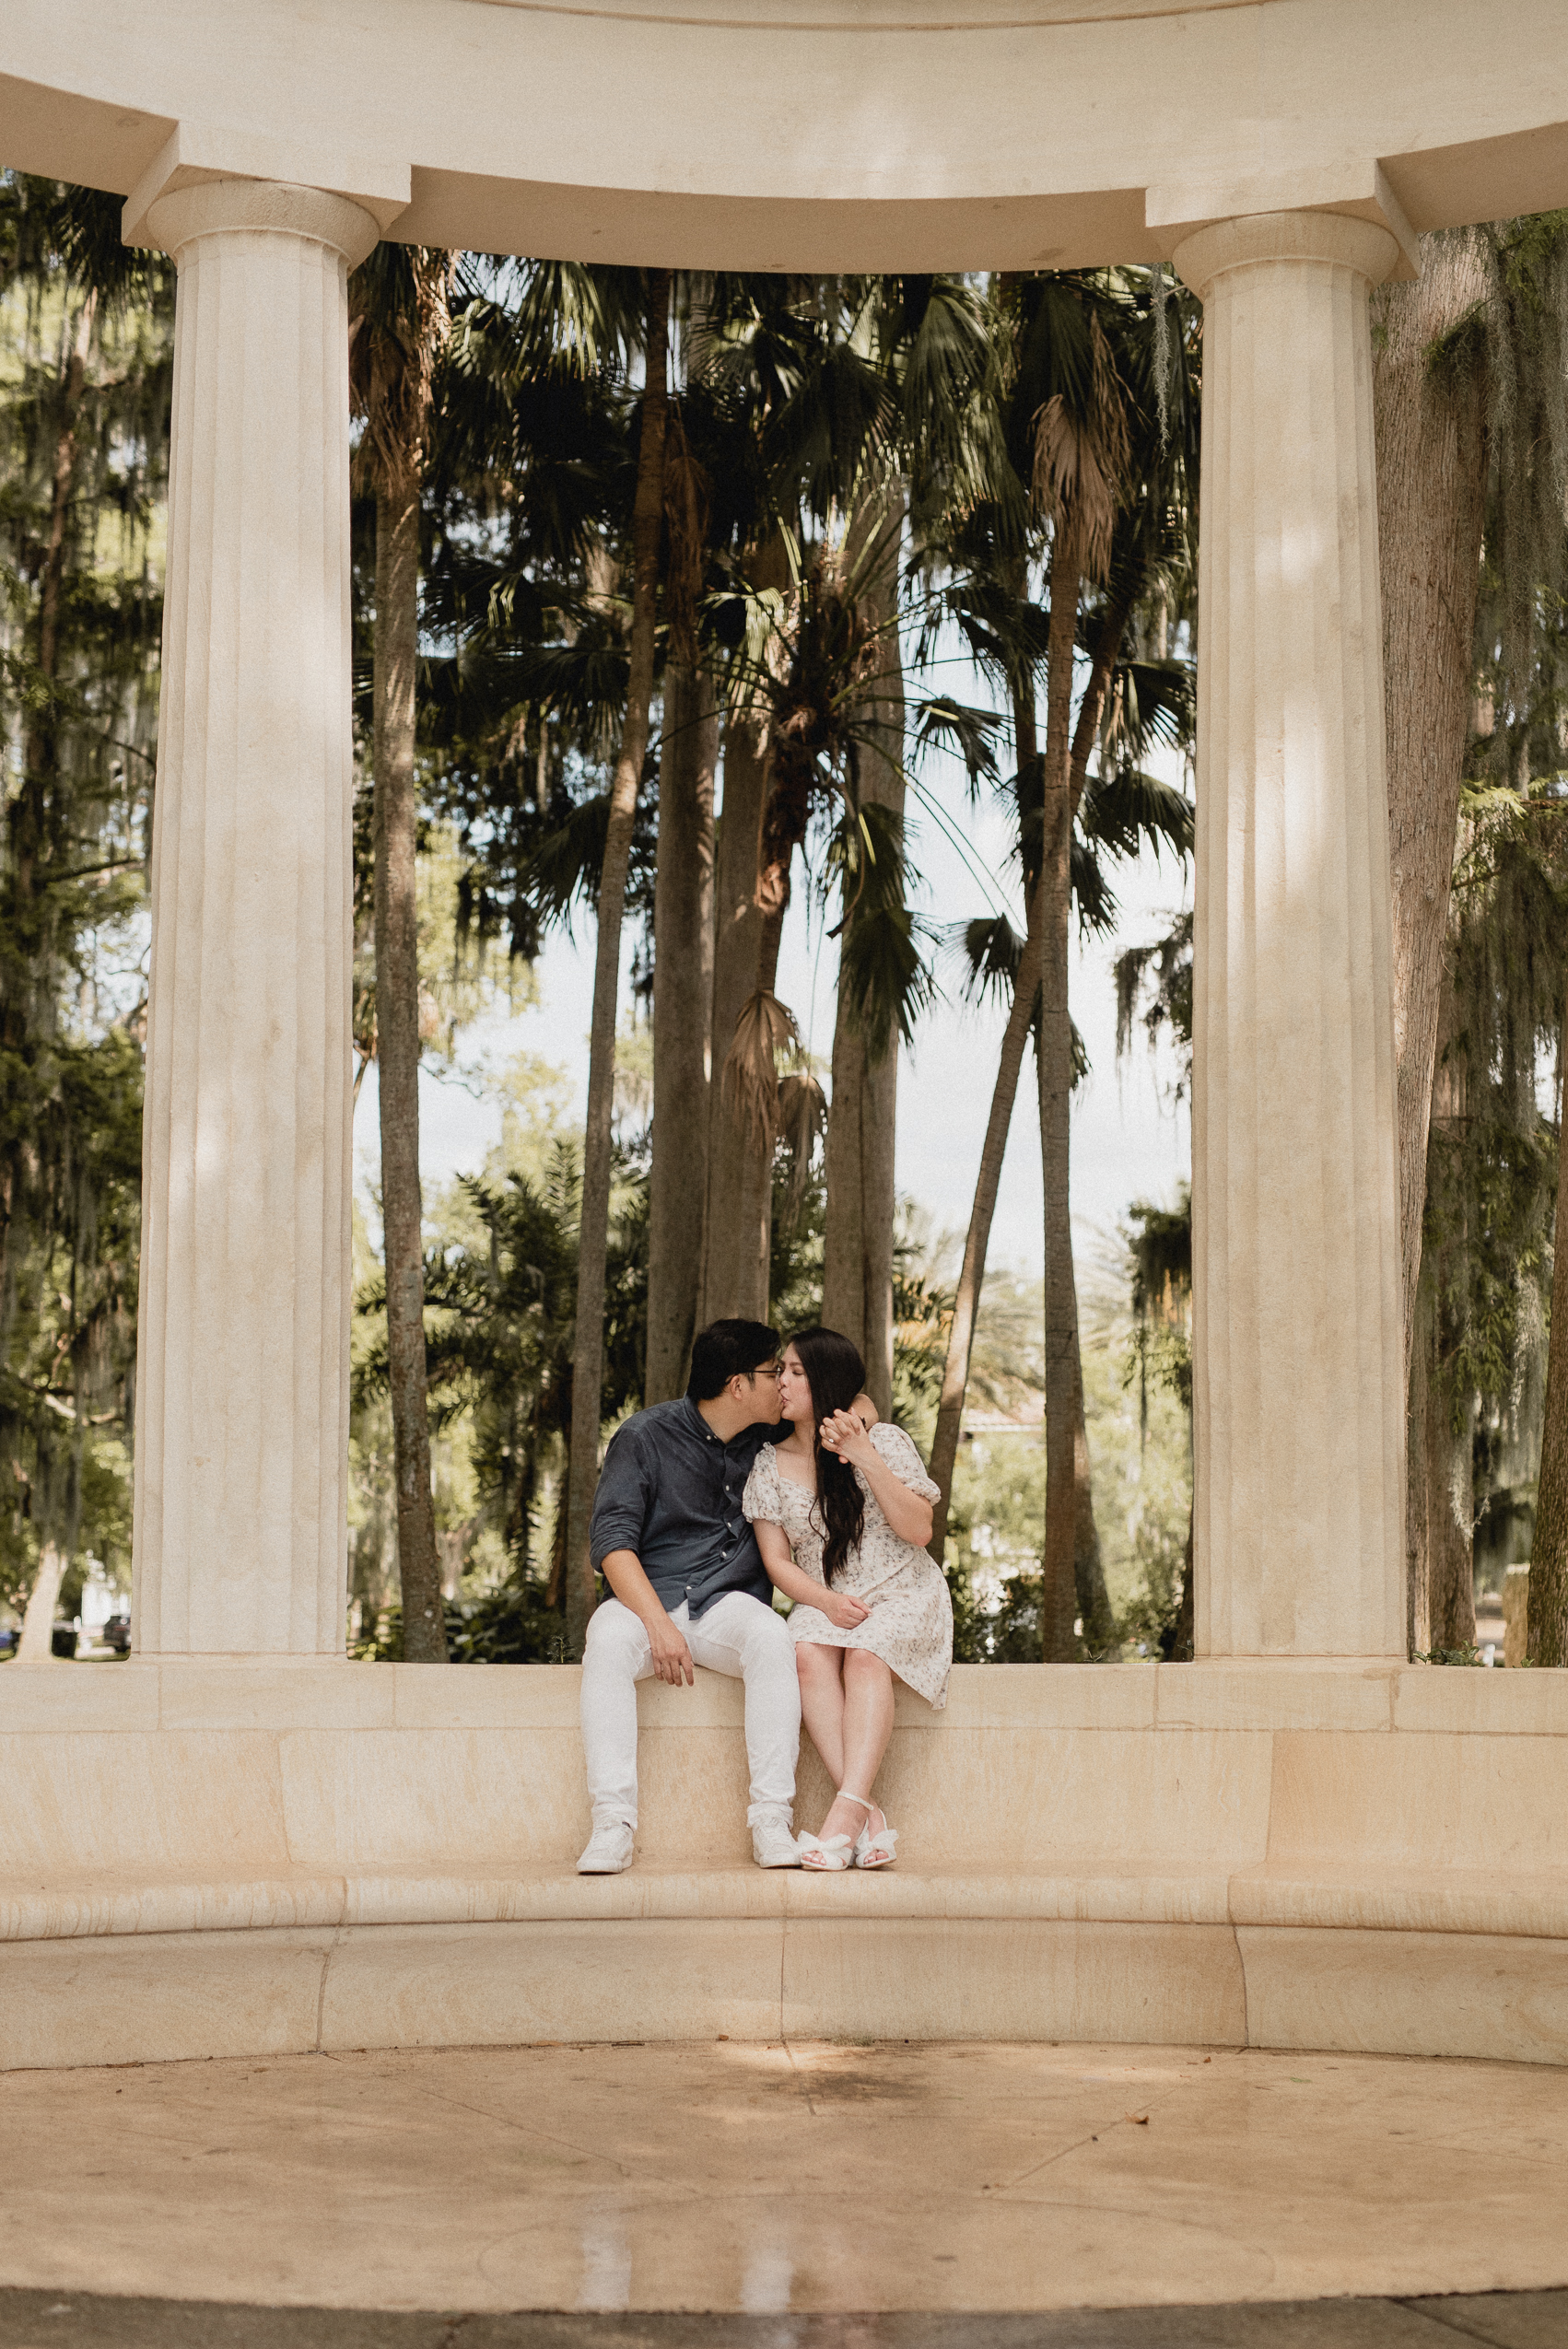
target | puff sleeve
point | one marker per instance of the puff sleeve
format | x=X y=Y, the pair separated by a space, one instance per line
x=898 y=1451
x=761 y=1497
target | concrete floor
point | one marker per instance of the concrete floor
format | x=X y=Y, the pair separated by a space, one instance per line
x=785 y=2186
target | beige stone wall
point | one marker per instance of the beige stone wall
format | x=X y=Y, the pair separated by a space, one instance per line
x=202 y=1860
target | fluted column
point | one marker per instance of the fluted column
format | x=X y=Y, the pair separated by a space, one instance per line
x=1299 y=1408
x=242 y=1371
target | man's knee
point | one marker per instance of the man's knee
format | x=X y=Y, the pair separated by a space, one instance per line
x=761 y=1636
x=615 y=1637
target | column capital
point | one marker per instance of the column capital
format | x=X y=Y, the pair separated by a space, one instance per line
x=1372 y=252
x=216 y=207
x=196 y=156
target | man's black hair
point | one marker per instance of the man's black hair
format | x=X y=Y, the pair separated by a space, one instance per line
x=728 y=1350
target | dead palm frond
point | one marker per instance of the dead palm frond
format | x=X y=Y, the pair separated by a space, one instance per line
x=1081 y=456
x=803 y=1123
x=765 y=1029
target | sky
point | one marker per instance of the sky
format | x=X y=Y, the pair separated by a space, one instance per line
x=1130 y=1141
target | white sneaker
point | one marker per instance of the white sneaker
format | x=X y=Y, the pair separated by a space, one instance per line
x=773 y=1846
x=609 y=1850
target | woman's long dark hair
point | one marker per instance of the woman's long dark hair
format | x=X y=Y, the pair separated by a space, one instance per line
x=836 y=1374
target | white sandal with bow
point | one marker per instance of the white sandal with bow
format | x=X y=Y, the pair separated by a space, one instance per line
x=868 y=1851
x=874 y=1851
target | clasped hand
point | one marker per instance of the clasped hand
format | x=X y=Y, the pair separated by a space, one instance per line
x=842 y=1611
x=847 y=1435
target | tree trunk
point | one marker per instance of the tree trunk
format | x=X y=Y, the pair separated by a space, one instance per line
x=1546 y=1638
x=37 y=1643
x=588 y=1348
x=1418 y=1570
x=1450 y=1517
x=972 y=1272
x=397 y=1061
x=1059 y=1596
x=1088 y=1567
x=857 y=1277
x=1184 y=1638
x=1446 y=1572
x=966 y=1303
x=738 y=1216
x=683 y=1006
x=1431 y=444
x=30 y=913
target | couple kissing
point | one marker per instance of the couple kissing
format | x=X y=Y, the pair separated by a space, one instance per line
x=772 y=1472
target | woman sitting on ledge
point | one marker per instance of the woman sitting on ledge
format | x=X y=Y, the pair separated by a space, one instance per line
x=842 y=1513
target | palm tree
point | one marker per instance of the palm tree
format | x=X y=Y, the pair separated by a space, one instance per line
x=84 y=447
x=1472 y=451
x=587 y=1348
x=1430 y=426
x=857 y=1277
x=939 y=451
x=683 y=928
x=1547 y=1630
x=399 y=317
x=1080 y=460
x=683 y=1010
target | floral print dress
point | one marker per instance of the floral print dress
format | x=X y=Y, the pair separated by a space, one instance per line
x=910 y=1622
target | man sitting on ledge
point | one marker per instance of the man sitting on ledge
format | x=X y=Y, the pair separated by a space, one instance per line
x=672 y=1541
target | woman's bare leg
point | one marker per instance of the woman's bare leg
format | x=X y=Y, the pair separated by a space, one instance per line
x=822 y=1702
x=867 y=1726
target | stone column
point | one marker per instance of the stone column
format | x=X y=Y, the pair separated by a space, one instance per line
x=242 y=1375
x=1298 y=1393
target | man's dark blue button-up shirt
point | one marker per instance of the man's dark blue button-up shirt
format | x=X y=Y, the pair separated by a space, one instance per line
x=671 y=1491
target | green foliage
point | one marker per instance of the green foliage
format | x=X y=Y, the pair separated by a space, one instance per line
x=1160 y=1255
x=86 y=333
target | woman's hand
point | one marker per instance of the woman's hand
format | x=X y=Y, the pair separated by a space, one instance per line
x=847 y=1435
x=842 y=1611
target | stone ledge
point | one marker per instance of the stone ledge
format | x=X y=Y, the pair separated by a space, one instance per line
x=1409 y=1901
x=272 y=1693
x=159 y=1997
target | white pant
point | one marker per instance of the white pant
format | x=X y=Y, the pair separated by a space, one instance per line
x=737 y=1635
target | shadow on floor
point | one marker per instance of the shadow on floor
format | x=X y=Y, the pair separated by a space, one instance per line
x=92 y=2321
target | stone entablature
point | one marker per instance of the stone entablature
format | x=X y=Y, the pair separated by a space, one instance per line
x=815 y=135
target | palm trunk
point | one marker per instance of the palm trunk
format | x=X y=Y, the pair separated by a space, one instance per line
x=1450 y=1518
x=587 y=1348
x=1058 y=1591
x=1418 y=1552
x=967 y=1302
x=1431 y=491
x=683 y=1004
x=1446 y=1572
x=1088 y=1566
x=972 y=1272
x=1547 y=1630
x=397 y=1061
x=857 y=1282
x=738 y=1215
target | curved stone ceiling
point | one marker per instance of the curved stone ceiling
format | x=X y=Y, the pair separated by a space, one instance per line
x=807 y=133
